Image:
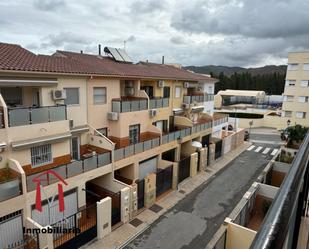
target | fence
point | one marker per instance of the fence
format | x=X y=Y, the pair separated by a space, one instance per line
x=136 y=148
x=220 y=121
x=35 y=115
x=73 y=168
x=189 y=99
x=158 y=103
x=129 y=105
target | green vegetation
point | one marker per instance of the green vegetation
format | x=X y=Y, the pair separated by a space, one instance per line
x=296 y=134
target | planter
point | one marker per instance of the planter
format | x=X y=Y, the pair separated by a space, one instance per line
x=9 y=189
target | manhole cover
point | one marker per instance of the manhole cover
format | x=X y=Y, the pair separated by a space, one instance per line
x=155 y=208
x=136 y=222
x=182 y=191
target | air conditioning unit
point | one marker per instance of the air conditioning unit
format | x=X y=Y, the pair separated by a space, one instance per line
x=59 y=94
x=190 y=85
x=152 y=112
x=113 y=116
x=186 y=84
x=160 y=83
x=185 y=106
x=71 y=123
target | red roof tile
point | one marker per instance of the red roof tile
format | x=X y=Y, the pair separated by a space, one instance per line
x=15 y=58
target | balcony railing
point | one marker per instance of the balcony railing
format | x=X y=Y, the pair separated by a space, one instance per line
x=119 y=105
x=133 y=149
x=10 y=184
x=220 y=121
x=35 y=115
x=189 y=99
x=73 y=168
x=158 y=103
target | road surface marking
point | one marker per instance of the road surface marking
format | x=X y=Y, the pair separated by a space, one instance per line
x=258 y=149
x=274 y=152
x=251 y=148
x=266 y=150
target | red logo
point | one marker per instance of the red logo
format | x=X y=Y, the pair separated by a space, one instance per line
x=43 y=177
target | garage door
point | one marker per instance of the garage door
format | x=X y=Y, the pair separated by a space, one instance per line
x=146 y=167
x=11 y=230
x=50 y=213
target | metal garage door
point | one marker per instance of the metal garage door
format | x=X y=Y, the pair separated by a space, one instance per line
x=146 y=167
x=50 y=213
x=11 y=230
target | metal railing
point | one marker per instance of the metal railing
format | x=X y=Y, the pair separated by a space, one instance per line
x=158 y=103
x=220 y=121
x=189 y=99
x=73 y=168
x=10 y=188
x=35 y=115
x=129 y=105
x=281 y=224
x=133 y=149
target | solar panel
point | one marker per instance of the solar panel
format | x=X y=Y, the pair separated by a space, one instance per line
x=124 y=55
x=114 y=53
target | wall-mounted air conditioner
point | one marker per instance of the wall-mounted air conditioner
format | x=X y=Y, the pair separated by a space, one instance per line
x=160 y=83
x=190 y=85
x=113 y=116
x=152 y=112
x=59 y=94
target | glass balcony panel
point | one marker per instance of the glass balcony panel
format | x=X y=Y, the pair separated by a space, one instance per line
x=119 y=154
x=171 y=137
x=165 y=102
x=39 y=115
x=138 y=148
x=152 y=104
x=129 y=150
x=143 y=104
x=147 y=145
x=164 y=139
x=115 y=106
x=135 y=106
x=125 y=106
x=10 y=189
x=61 y=170
x=90 y=163
x=159 y=103
x=104 y=159
x=155 y=142
x=19 y=117
x=75 y=168
x=57 y=113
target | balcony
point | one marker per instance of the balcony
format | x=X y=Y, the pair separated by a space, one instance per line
x=10 y=184
x=89 y=162
x=129 y=104
x=35 y=115
x=198 y=98
x=158 y=103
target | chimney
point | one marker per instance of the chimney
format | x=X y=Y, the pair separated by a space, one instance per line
x=99 y=49
x=163 y=59
x=81 y=52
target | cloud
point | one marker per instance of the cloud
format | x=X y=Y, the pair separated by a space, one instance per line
x=49 y=5
x=250 y=18
x=63 y=39
x=144 y=7
x=177 y=40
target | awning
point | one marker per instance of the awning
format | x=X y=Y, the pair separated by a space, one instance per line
x=24 y=144
x=197 y=108
x=21 y=81
x=177 y=110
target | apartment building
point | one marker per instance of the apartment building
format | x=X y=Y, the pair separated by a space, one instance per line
x=296 y=91
x=102 y=134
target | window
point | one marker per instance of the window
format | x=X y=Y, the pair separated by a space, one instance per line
x=166 y=92
x=304 y=83
x=72 y=96
x=134 y=131
x=306 y=66
x=12 y=95
x=300 y=115
x=290 y=82
x=99 y=95
x=210 y=89
x=287 y=114
x=302 y=99
x=288 y=98
x=162 y=125
x=177 y=92
x=41 y=155
x=292 y=66
x=103 y=131
x=148 y=90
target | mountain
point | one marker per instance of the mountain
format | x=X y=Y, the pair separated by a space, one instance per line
x=228 y=71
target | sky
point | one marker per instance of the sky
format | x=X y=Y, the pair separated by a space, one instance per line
x=247 y=33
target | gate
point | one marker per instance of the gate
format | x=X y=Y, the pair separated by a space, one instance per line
x=184 y=169
x=218 y=150
x=116 y=208
x=164 y=180
x=140 y=193
x=76 y=230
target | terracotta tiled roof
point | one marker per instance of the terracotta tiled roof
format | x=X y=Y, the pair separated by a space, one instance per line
x=15 y=58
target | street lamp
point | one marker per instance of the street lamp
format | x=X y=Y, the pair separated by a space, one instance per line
x=250 y=124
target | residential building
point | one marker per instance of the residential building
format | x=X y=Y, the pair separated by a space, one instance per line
x=295 y=107
x=108 y=135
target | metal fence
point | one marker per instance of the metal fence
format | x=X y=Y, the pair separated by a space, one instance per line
x=220 y=121
x=72 y=169
x=158 y=103
x=135 y=148
x=129 y=105
x=35 y=115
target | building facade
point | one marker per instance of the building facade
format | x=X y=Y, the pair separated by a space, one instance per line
x=117 y=134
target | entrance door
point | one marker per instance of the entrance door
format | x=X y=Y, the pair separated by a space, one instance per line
x=75 y=148
x=140 y=193
x=166 y=92
x=134 y=131
x=148 y=90
x=35 y=97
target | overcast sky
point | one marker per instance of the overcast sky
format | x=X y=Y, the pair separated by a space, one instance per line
x=190 y=32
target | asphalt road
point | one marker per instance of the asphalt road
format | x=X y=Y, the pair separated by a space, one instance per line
x=193 y=221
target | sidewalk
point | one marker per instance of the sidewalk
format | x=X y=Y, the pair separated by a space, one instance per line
x=127 y=232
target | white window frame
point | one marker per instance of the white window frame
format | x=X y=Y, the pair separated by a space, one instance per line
x=300 y=115
x=292 y=67
x=178 y=91
x=306 y=66
x=74 y=104
x=304 y=83
x=104 y=96
x=290 y=83
x=288 y=116
x=41 y=155
x=303 y=99
x=288 y=98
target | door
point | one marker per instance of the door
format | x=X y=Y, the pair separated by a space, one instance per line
x=134 y=131
x=166 y=92
x=35 y=97
x=140 y=193
x=148 y=90
x=75 y=148
x=164 y=180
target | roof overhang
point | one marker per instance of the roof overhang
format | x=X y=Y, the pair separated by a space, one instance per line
x=23 y=81
x=197 y=108
x=24 y=144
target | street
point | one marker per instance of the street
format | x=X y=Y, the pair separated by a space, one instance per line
x=192 y=222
